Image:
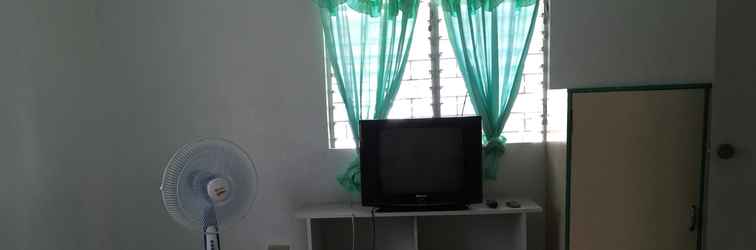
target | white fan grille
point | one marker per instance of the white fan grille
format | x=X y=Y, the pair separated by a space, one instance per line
x=183 y=192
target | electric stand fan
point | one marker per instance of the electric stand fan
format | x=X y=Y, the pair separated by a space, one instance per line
x=207 y=184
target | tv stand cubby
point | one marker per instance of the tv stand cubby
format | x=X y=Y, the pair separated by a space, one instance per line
x=331 y=227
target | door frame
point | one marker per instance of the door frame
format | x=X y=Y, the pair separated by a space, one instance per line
x=700 y=222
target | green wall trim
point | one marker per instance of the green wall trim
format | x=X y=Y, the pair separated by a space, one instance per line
x=704 y=170
x=642 y=88
x=568 y=174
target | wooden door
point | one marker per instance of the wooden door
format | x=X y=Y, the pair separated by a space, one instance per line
x=731 y=210
x=635 y=161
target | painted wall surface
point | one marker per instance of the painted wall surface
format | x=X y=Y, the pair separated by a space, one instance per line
x=97 y=94
x=52 y=181
x=617 y=42
x=730 y=221
x=555 y=198
x=556 y=166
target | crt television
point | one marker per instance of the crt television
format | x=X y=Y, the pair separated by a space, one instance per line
x=421 y=164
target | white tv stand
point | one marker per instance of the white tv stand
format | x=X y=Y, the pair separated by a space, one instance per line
x=329 y=226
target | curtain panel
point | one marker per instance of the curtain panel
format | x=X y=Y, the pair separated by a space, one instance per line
x=367 y=45
x=490 y=40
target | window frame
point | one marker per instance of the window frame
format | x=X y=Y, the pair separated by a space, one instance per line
x=435 y=88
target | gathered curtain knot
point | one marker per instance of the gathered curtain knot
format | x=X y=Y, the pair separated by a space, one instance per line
x=494 y=145
x=351 y=178
x=493 y=148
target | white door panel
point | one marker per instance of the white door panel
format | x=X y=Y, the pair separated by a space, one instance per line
x=636 y=160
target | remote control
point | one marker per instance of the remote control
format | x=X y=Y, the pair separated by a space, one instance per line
x=513 y=204
x=492 y=204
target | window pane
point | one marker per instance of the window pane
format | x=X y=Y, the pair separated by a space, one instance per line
x=444 y=46
x=420 y=70
x=528 y=103
x=453 y=87
x=533 y=122
x=515 y=123
x=339 y=113
x=533 y=64
x=415 y=89
x=449 y=68
x=532 y=83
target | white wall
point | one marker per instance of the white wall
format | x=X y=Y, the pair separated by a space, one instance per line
x=555 y=194
x=188 y=69
x=51 y=184
x=556 y=162
x=181 y=70
x=619 y=42
x=250 y=72
x=99 y=93
x=730 y=222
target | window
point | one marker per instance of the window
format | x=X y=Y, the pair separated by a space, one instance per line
x=415 y=98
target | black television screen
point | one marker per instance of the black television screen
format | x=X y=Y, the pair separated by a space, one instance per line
x=421 y=162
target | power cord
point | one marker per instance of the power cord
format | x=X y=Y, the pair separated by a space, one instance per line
x=354 y=229
x=372 y=221
x=354 y=234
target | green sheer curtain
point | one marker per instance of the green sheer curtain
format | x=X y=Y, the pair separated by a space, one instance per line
x=490 y=40
x=367 y=44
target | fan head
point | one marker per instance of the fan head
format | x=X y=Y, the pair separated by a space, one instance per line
x=209 y=173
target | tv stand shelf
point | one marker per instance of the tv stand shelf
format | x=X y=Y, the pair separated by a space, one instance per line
x=339 y=218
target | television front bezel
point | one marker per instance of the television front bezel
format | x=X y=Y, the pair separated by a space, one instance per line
x=371 y=186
